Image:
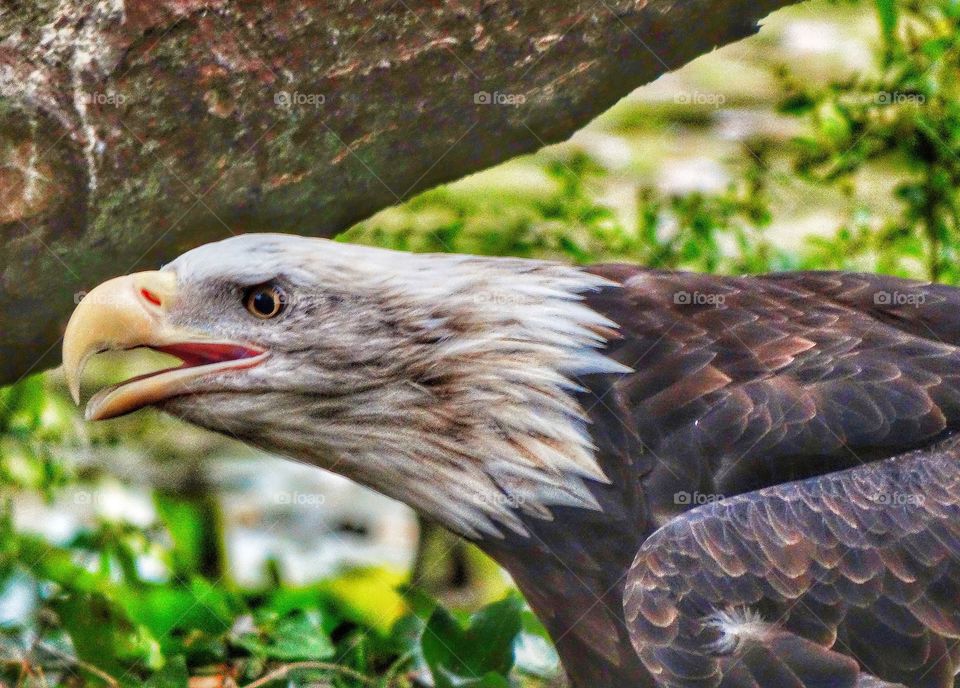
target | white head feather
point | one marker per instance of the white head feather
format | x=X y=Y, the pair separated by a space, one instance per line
x=446 y=381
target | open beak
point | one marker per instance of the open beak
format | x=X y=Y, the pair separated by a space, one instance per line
x=130 y=312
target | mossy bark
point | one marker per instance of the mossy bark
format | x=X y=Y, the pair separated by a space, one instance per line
x=132 y=130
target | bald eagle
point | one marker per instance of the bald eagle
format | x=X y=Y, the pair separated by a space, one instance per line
x=695 y=480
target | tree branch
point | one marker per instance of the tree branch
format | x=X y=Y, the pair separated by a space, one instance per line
x=132 y=130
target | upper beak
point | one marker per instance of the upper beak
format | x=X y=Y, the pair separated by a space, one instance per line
x=130 y=312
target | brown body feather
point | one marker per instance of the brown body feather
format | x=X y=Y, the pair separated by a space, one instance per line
x=739 y=384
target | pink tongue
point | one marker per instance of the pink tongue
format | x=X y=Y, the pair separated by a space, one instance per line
x=201 y=353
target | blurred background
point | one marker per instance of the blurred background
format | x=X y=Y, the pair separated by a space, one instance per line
x=145 y=552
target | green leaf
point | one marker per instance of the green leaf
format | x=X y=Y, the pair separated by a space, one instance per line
x=173 y=675
x=300 y=638
x=459 y=656
x=295 y=638
x=103 y=635
x=163 y=608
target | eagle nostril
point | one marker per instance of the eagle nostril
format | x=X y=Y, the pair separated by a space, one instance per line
x=150 y=296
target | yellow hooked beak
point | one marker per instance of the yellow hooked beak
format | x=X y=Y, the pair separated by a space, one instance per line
x=130 y=312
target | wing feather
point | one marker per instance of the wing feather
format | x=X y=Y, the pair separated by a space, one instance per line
x=744 y=382
x=731 y=594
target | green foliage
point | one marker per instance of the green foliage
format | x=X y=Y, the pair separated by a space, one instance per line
x=95 y=620
x=478 y=656
x=904 y=122
x=291 y=638
x=687 y=231
x=30 y=424
x=885 y=143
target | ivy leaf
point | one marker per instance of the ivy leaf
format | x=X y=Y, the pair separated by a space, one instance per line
x=197 y=606
x=294 y=638
x=460 y=657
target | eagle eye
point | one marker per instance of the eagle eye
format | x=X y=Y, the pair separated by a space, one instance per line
x=264 y=301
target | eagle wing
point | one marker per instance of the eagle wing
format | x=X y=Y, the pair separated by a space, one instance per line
x=846 y=580
x=744 y=382
x=836 y=565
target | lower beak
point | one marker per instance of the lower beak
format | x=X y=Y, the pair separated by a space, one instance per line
x=131 y=312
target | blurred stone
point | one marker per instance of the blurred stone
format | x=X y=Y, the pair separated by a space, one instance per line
x=313 y=523
x=688 y=175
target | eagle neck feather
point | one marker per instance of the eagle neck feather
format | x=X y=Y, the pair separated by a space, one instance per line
x=478 y=425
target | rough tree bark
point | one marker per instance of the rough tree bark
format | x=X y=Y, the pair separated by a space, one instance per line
x=131 y=130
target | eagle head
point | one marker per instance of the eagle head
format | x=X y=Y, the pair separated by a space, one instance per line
x=449 y=382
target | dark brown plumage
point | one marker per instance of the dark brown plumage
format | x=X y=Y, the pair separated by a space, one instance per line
x=782 y=378
x=852 y=573
x=753 y=485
